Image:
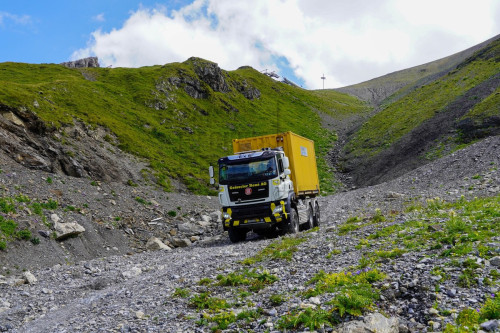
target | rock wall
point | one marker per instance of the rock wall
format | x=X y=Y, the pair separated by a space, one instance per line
x=82 y=63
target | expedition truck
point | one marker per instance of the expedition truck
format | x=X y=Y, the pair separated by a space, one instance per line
x=270 y=184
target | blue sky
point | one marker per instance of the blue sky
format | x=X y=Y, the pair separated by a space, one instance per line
x=50 y=31
x=349 y=41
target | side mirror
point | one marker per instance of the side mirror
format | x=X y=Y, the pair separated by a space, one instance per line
x=286 y=162
x=211 y=174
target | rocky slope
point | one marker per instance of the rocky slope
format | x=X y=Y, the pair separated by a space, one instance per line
x=176 y=290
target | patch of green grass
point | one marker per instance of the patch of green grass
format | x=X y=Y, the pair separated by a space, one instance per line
x=394 y=253
x=7 y=205
x=142 y=201
x=181 y=292
x=7 y=227
x=378 y=216
x=333 y=282
x=24 y=234
x=50 y=204
x=252 y=278
x=469 y=319
x=222 y=320
x=456 y=228
x=348 y=227
x=203 y=301
x=308 y=318
x=277 y=299
x=333 y=252
x=280 y=249
x=172 y=213
x=22 y=198
x=468 y=278
x=37 y=208
x=353 y=293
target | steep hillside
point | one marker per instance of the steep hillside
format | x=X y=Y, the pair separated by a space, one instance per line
x=427 y=123
x=178 y=118
x=399 y=83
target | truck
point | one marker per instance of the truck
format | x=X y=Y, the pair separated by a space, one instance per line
x=269 y=185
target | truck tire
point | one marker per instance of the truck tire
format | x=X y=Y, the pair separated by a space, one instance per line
x=310 y=219
x=237 y=235
x=293 y=222
x=317 y=215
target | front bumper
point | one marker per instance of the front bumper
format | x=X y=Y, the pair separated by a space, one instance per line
x=256 y=216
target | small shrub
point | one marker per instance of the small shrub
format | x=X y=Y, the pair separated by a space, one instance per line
x=181 y=292
x=24 y=234
x=35 y=240
x=310 y=318
x=222 y=320
x=378 y=217
x=467 y=279
x=491 y=308
x=277 y=299
x=204 y=301
x=7 y=227
x=22 y=198
x=468 y=317
x=49 y=180
x=205 y=282
x=172 y=213
x=354 y=300
x=142 y=201
x=7 y=206
x=50 y=205
x=333 y=252
x=3 y=245
x=37 y=208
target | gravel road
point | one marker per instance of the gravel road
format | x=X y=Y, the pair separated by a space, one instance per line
x=140 y=292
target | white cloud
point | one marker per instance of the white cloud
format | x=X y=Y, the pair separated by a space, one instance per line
x=99 y=18
x=16 y=19
x=348 y=41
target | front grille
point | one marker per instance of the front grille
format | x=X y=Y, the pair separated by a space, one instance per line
x=251 y=191
x=248 y=212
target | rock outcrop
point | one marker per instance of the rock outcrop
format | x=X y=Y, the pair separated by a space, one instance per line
x=76 y=150
x=82 y=63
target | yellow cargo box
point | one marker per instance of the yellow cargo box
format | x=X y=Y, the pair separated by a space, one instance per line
x=300 y=152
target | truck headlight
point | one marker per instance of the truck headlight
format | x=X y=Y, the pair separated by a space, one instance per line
x=226 y=216
x=278 y=209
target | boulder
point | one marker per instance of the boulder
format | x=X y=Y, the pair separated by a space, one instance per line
x=154 y=244
x=495 y=261
x=29 y=278
x=181 y=242
x=189 y=229
x=66 y=230
x=374 y=322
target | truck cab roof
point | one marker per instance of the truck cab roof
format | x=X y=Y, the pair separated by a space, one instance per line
x=249 y=155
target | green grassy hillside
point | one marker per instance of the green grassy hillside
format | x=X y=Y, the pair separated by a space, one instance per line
x=404 y=115
x=153 y=116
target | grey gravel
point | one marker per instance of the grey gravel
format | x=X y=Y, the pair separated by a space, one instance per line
x=134 y=292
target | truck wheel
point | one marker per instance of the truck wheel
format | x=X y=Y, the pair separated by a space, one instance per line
x=310 y=219
x=317 y=216
x=293 y=222
x=237 y=235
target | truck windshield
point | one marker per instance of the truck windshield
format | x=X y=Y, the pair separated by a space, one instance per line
x=247 y=171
